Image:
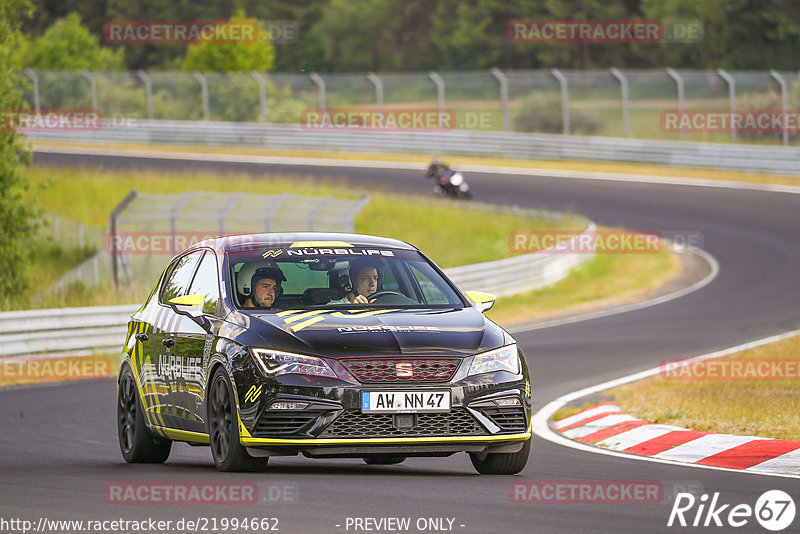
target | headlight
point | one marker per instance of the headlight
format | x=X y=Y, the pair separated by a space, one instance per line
x=274 y=362
x=456 y=179
x=504 y=359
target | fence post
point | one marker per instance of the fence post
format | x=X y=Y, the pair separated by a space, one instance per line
x=271 y=209
x=562 y=80
x=320 y=83
x=148 y=91
x=351 y=223
x=173 y=215
x=503 y=80
x=112 y=233
x=784 y=103
x=672 y=73
x=439 y=89
x=262 y=93
x=626 y=118
x=223 y=212
x=35 y=79
x=731 y=96
x=378 y=83
x=80 y=236
x=93 y=84
x=203 y=93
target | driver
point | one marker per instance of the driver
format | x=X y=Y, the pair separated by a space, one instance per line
x=365 y=280
x=266 y=287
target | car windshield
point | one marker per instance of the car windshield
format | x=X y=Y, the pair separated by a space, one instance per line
x=319 y=278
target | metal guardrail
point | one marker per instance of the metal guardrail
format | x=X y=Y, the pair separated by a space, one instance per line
x=747 y=158
x=99 y=328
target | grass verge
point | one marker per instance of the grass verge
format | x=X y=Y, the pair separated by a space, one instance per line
x=766 y=407
x=609 y=279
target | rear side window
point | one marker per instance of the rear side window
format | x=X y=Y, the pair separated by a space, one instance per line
x=180 y=276
x=206 y=282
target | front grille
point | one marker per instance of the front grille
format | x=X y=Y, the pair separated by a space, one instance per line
x=281 y=423
x=507 y=418
x=354 y=424
x=384 y=370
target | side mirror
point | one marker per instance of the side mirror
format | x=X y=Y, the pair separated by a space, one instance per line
x=191 y=306
x=483 y=301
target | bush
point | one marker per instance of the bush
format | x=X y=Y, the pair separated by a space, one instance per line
x=541 y=113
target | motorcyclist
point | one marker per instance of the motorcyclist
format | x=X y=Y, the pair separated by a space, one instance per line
x=437 y=169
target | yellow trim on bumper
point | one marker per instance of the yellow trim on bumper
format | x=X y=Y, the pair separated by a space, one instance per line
x=378 y=441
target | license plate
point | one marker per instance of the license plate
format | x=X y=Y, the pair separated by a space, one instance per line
x=405 y=401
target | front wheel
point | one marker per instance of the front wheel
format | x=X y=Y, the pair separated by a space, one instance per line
x=135 y=441
x=223 y=428
x=501 y=463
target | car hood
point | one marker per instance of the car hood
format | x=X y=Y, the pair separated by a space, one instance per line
x=344 y=333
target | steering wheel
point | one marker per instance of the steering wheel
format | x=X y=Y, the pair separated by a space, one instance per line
x=379 y=294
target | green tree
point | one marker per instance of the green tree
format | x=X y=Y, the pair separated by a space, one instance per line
x=231 y=57
x=68 y=45
x=16 y=213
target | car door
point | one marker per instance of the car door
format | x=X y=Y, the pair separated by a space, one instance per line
x=193 y=345
x=165 y=322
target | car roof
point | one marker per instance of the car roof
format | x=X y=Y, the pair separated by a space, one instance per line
x=301 y=240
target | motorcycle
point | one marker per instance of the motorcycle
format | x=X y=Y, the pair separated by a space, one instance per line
x=450 y=184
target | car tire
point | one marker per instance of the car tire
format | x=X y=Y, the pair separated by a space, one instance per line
x=384 y=459
x=501 y=463
x=223 y=428
x=136 y=442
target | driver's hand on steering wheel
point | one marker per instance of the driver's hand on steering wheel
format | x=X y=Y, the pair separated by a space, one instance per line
x=360 y=299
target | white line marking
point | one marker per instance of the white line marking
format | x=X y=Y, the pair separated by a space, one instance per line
x=543 y=430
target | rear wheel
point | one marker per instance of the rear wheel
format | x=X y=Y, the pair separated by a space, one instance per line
x=501 y=463
x=223 y=428
x=135 y=441
x=384 y=459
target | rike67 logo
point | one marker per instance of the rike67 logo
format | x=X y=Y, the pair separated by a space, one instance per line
x=774 y=510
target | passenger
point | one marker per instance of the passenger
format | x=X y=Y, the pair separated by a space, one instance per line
x=265 y=287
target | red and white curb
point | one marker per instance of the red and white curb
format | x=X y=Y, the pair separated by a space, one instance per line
x=606 y=425
x=605 y=429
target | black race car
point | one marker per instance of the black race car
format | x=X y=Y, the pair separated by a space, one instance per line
x=330 y=345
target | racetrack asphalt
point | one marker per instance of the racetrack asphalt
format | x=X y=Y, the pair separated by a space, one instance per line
x=59 y=444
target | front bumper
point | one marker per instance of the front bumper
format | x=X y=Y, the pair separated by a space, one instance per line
x=332 y=424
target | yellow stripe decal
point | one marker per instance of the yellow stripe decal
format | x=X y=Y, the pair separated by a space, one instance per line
x=303 y=316
x=300 y=326
x=185 y=435
x=287 y=312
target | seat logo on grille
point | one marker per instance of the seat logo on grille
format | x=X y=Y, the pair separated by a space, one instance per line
x=404 y=369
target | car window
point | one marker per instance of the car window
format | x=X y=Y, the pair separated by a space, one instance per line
x=180 y=276
x=432 y=293
x=206 y=282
